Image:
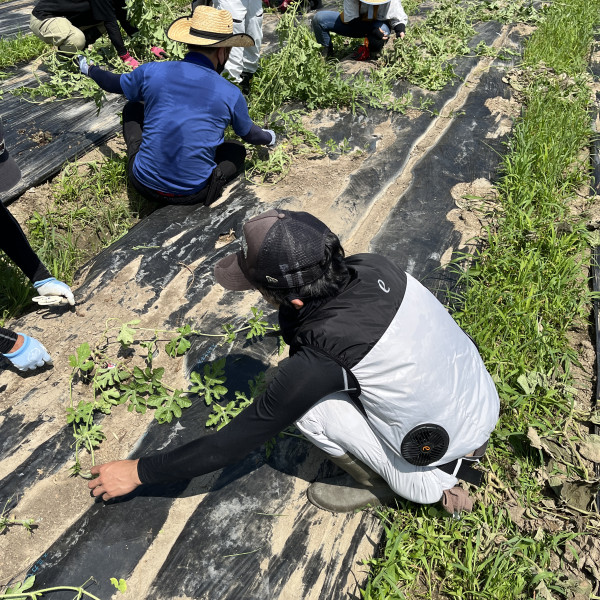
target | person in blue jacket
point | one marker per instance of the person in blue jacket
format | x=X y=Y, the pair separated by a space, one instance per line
x=174 y=123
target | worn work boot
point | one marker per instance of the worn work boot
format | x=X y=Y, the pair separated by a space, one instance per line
x=327 y=51
x=457 y=500
x=360 y=487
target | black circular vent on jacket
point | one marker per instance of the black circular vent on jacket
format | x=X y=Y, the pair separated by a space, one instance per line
x=424 y=444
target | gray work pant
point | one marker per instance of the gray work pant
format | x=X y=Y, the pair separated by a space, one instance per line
x=336 y=426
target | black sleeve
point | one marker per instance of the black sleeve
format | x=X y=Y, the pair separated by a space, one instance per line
x=257 y=136
x=103 y=10
x=400 y=28
x=114 y=33
x=110 y=82
x=299 y=384
x=7 y=340
x=121 y=14
x=14 y=243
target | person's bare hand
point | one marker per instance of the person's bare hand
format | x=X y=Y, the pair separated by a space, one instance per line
x=114 y=479
x=385 y=35
x=402 y=34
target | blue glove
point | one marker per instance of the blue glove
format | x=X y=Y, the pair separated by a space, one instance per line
x=30 y=355
x=273 y=137
x=54 y=287
x=84 y=67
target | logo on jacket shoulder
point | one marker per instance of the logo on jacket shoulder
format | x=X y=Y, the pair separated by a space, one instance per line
x=383 y=286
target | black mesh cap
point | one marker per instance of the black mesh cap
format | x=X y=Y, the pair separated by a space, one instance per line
x=282 y=249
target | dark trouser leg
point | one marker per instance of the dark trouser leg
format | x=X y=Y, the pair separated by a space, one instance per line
x=140 y=188
x=230 y=157
x=133 y=125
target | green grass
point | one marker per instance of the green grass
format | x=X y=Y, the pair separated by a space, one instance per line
x=569 y=52
x=525 y=290
x=482 y=555
x=522 y=295
x=20 y=49
x=90 y=210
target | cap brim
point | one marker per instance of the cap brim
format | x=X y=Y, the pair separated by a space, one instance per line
x=229 y=274
x=10 y=174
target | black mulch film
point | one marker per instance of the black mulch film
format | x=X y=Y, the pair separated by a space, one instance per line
x=14 y=18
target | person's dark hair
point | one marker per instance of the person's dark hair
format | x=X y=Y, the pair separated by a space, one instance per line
x=210 y=50
x=328 y=285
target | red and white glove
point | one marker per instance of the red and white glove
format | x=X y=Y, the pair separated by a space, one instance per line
x=158 y=52
x=129 y=60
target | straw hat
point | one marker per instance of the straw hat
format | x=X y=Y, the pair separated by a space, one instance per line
x=208 y=26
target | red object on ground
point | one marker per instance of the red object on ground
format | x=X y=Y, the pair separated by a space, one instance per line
x=362 y=52
x=285 y=5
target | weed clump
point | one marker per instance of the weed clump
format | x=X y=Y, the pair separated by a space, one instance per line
x=19 y=49
x=90 y=210
x=297 y=72
x=114 y=379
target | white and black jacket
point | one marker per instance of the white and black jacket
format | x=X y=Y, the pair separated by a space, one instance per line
x=388 y=342
x=391 y=11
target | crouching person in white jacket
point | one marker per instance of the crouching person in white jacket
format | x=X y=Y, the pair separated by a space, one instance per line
x=380 y=376
x=371 y=19
x=247 y=18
